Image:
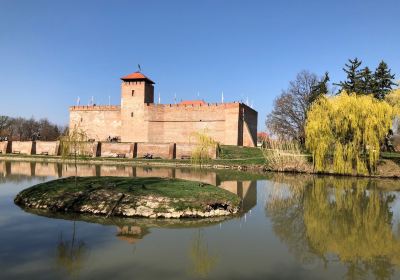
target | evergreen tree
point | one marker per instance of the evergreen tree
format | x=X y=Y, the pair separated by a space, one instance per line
x=384 y=80
x=354 y=81
x=320 y=89
x=367 y=85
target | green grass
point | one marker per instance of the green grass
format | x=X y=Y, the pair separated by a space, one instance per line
x=236 y=155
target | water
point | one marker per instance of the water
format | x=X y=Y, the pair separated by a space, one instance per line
x=293 y=227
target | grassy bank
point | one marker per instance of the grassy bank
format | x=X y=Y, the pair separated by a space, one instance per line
x=230 y=157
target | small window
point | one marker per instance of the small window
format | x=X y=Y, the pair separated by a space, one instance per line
x=132 y=115
x=133 y=92
x=81 y=119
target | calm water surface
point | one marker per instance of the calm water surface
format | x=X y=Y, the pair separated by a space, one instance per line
x=293 y=227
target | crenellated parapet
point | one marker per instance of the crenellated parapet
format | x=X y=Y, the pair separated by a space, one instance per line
x=202 y=106
x=96 y=108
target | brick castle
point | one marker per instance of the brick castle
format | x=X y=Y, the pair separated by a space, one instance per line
x=139 y=119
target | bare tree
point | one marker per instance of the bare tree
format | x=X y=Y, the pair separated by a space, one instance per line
x=29 y=129
x=4 y=124
x=288 y=116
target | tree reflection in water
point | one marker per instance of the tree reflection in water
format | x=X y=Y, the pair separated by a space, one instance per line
x=203 y=261
x=71 y=254
x=349 y=218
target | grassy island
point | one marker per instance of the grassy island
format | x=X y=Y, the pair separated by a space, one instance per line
x=130 y=197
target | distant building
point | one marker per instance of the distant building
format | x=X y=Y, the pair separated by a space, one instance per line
x=139 y=119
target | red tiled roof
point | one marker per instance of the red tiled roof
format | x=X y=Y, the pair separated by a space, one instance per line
x=192 y=102
x=136 y=76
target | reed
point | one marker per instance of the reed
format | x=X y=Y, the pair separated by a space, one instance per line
x=284 y=155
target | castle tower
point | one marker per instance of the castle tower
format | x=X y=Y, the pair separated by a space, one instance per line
x=136 y=92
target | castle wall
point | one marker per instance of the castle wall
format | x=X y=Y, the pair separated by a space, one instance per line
x=178 y=123
x=249 y=127
x=5 y=147
x=50 y=148
x=109 y=149
x=98 y=122
x=23 y=147
x=162 y=150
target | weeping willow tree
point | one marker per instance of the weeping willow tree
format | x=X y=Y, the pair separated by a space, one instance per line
x=347 y=130
x=205 y=147
x=73 y=145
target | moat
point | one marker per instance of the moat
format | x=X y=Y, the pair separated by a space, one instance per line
x=292 y=227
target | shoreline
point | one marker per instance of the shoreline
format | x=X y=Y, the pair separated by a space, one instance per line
x=249 y=168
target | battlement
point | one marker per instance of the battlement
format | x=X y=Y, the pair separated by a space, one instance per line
x=201 y=106
x=221 y=105
x=96 y=108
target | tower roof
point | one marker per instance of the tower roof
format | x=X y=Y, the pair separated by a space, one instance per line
x=136 y=76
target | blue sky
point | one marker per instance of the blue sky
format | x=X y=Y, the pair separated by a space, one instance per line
x=53 y=51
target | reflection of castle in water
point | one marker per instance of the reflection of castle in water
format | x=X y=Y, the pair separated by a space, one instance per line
x=131 y=233
x=246 y=190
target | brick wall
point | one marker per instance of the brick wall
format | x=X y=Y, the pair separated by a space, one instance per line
x=99 y=122
x=177 y=123
x=5 y=147
x=23 y=147
x=249 y=126
x=114 y=149
x=47 y=147
x=162 y=150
